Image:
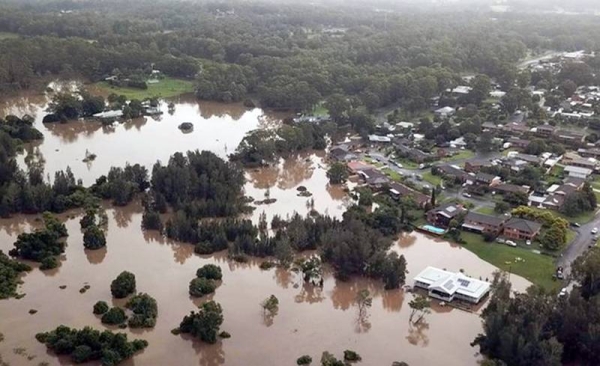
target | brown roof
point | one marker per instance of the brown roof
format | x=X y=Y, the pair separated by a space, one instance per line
x=527 y=226
x=510 y=188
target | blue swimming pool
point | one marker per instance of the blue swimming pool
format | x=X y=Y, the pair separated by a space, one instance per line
x=433 y=229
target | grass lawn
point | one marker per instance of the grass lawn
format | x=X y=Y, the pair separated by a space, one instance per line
x=320 y=110
x=571 y=234
x=167 y=87
x=487 y=211
x=408 y=164
x=581 y=218
x=432 y=179
x=7 y=35
x=537 y=268
x=392 y=174
x=462 y=154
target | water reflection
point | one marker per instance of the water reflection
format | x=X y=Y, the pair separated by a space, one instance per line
x=307 y=314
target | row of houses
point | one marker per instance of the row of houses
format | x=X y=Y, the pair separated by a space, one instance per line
x=511 y=228
x=520 y=129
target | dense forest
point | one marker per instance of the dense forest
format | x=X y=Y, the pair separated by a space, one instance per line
x=285 y=55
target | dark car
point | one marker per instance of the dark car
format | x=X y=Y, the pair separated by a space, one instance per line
x=575 y=224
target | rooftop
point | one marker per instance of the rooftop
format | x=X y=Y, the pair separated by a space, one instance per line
x=484 y=219
x=451 y=283
x=523 y=225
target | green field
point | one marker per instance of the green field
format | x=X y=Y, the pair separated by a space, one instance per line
x=320 y=110
x=167 y=87
x=392 y=174
x=487 y=211
x=432 y=179
x=462 y=154
x=7 y=35
x=537 y=268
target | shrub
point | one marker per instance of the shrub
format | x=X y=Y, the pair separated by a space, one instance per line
x=205 y=323
x=224 y=335
x=145 y=311
x=49 y=263
x=351 y=356
x=210 y=272
x=100 y=307
x=123 y=285
x=114 y=316
x=304 y=360
x=201 y=286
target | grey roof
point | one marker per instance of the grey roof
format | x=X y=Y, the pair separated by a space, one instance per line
x=484 y=219
x=449 y=210
x=523 y=225
x=574 y=181
x=485 y=177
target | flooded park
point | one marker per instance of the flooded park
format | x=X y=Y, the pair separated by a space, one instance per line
x=310 y=319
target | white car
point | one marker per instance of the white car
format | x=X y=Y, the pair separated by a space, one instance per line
x=398 y=164
x=562 y=292
x=467 y=195
x=528 y=242
x=511 y=243
x=595 y=231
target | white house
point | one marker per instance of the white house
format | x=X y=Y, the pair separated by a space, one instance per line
x=577 y=172
x=445 y=112
x=447 y=286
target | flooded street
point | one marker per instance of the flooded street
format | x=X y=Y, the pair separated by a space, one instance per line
x=310 y=319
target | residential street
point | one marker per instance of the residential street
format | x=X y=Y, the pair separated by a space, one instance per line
x=579 y=245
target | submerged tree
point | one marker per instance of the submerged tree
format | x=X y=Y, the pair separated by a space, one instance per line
x=205 y=323
x=420 y=306
x=123 y=285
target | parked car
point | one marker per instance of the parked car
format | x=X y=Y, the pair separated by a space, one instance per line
x=562 y=292
x=528 y=242
x=398 y=164
x=595 y=231
x=575 y=224
x=465 y=194
x=511 y=243
x=500 y=240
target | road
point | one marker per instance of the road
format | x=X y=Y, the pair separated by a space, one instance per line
x=579 y=245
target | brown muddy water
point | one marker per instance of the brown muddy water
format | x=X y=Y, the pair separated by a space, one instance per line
x=310 y=320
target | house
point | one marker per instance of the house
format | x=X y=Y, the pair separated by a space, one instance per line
x=544 y=130
x=354 y=167
x=374 y=177
x=442 y=215
x=398 y=190
x=574 y=159
x=487 y=179
x=575 y=182
x=492 y=127
x=445 y=112
x=521 y=229
x=518 y=143
x=448 y=286
x=475 y=165
x=461 y=90
x=514 y=164
x=448 y=171
x=342 y=153
x=589 y=153
x=482 y=224
x=459 y=142
x=109 y=115
x=531 y=159
x=577 y=172
x=573 y=138
x=515 y=128
x=504 y=188
x=379 y=139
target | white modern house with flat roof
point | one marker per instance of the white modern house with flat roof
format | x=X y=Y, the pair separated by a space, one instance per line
x=448 y=286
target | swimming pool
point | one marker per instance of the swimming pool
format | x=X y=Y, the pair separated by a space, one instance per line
x=433 y=229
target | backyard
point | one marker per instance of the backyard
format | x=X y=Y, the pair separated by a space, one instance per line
x=165 y=88
x=537 y=268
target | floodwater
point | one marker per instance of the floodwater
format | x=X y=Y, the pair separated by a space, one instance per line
x=310 y=320
x=217 y=127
